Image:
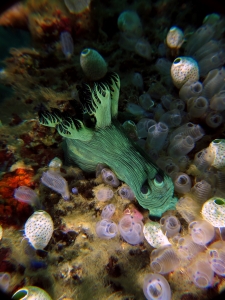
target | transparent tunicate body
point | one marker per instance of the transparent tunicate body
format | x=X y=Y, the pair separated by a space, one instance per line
x=201 y=232
x=108 y=211
x=182 y=183
x=201 y=274
x=170 y=225
x=110 y=178
x=164 y=260
x=156 y=287
x=216 y=257
x=131 y=229
x=106 y=229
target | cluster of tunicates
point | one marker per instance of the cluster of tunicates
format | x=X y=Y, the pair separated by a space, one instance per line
x=131 y=34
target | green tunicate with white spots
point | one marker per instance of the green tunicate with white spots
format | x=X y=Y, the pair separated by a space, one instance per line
x=154 y=235
x=213 y=211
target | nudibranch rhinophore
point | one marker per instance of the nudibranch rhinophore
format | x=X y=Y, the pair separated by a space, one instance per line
x=108 y=144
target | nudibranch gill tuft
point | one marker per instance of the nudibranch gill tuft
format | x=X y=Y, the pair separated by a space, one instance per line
x=108 y=144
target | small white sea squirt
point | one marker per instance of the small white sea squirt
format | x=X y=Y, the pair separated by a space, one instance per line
x=154 y=235
x=38 y=229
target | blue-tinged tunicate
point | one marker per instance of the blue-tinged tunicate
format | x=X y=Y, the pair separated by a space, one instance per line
x=129 y=22
x=177 y=104
x=188 y=208
x=166 y=101
x=74 y=191
x=67 y=44
x=193 y=130
x=197 y=107
x=38 y=229
x=168 y=165
x=156 y=287
x=30 y=293
x=182 y=183
x=163 y=66
x=137 y=110
x=146 y=101
x=211 y=47
x=213 y=211
x=57 y=183
x=184 y=69
x=106 y=229
x=170 y=225
x=143 y=125
x=213 y=83
x=93 y=64
x=137 y=81
x=164 y=260
x=103 y=193
x=202 y=232
x=108 y=211
x=180 y=145
x=55 y=164
x=214 y=119
x=131 y=229
x=172 y=118
x=217 y=102
x=125 y=192
x=156 y=137
x=211 y=61
x=201 y=273
x=143 y=48
x=201 y=36
x=110 y=178
x=216 y=257
x=27 y=195
x=162 y=50
x=190 y=89
x=131 y=129
x=5 y=279
x=127 y=41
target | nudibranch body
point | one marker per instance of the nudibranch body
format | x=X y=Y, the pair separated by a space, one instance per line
x=108 y=144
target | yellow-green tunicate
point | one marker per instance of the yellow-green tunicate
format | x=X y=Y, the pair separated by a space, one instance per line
x=183 y=69
x=154 y=235
x=217 y=149
x=213 y=211
x=31 y=293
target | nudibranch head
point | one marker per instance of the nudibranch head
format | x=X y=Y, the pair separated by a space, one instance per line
x=184 y=69
x=93 y=64
x=213 y=211
x=175 y=38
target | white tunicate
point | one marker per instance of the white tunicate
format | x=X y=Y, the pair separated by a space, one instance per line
x=172 y=118
x=103 y=193
x=216 y=257
x=156 y=287
x=156 y=137
x=31 y=292
x=108 y=211
x=170 y=225
x=164 y=260
x=201 y=274
x=38 y=229
x=180 y=145
x=131 y=229
x=57 y=183
x=193 y=130
x=190 y=89
x=109 y=177
x=106 y=229
x=197 y=107
x=214 y=119
x=202 y=232
x=201 y=191
x=142 y=127
x=187 y=248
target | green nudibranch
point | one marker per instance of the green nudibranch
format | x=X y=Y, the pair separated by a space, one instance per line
x=108 y=144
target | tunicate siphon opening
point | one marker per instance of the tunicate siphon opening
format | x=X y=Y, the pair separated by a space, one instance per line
x=85 y=51
x=219 y=202
x=155 y=289
x=156 y=267
x=20 y=295
x=216 y=141
x=177 y=61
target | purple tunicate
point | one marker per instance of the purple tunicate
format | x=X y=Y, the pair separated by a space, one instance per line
x=125 y=192
x=108 y=211
x=109 y=177
x=57 y=183
x=74 y=191
x=131 y=230
x=67 y=44
x=106 y=229
x=27 y=195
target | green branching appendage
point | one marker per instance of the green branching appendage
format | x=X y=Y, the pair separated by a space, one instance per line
x=113 y=82
x=50 y=119
x=74 y=129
